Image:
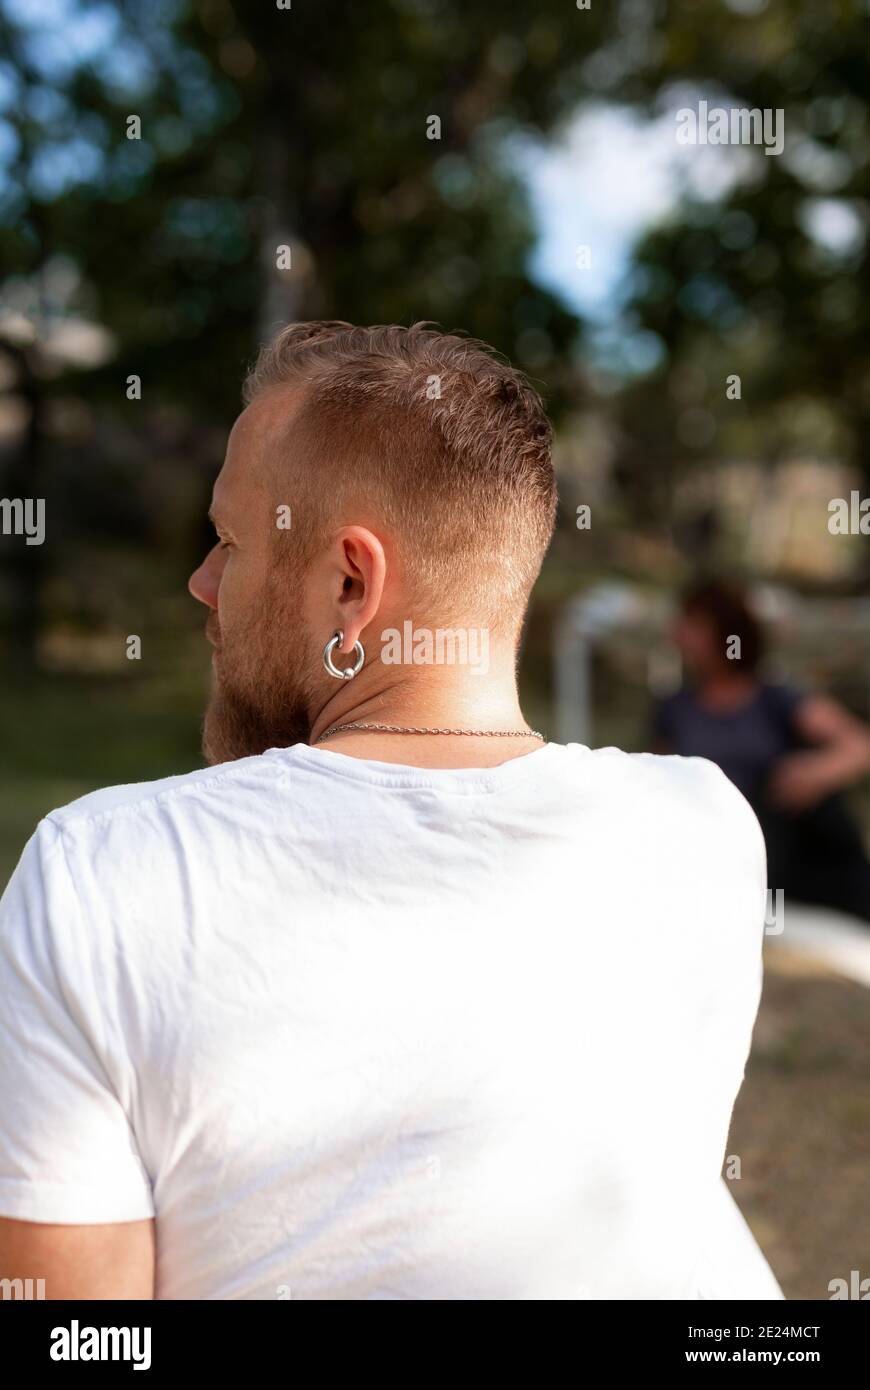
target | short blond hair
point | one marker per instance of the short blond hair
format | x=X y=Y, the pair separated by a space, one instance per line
x=442 y=437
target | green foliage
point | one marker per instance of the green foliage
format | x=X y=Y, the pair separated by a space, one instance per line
x=746 y=283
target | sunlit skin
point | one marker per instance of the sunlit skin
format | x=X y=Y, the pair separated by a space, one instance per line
x=270 y=689
x=841 y=755
x=115 y=1260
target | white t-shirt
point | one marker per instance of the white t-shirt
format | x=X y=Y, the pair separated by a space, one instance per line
x=354 y=1030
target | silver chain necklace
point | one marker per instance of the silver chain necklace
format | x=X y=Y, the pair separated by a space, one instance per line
x=467 y=733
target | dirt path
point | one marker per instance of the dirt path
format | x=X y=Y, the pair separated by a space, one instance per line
x=802 y=1126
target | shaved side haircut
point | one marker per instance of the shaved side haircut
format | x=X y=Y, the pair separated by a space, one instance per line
x=431 y=434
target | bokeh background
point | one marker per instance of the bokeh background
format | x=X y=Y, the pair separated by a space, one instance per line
x=557 y=217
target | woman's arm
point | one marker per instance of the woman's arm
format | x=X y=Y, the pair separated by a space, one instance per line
x=841 y=755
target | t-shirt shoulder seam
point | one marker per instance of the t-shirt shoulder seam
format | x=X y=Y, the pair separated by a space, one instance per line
x=63 y=817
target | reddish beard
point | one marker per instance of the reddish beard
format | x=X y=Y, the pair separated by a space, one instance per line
x=236 y=728
x=260 y=698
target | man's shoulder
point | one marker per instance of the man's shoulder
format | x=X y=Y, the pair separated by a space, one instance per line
x=693 y=775
x=697 y=783
x=708 y=817
x=117 y=804
x=667 y=774
x=673 y=793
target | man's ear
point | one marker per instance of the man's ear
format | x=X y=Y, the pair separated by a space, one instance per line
x=362 y=569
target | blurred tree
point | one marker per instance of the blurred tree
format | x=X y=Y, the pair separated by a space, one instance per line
x=254 y=128
x=759 y=279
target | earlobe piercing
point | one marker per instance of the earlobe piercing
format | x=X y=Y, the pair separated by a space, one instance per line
x=349 y=671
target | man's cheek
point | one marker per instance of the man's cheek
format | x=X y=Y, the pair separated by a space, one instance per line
x=228 y=600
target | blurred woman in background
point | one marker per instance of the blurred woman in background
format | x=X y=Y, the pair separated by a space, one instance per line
x=789 y=751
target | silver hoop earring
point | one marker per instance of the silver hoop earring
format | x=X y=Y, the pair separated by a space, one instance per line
x=349 y=671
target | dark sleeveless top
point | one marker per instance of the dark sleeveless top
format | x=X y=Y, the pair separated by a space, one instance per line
x=746 y=743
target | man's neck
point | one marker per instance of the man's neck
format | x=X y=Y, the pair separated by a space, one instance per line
x=428 y=699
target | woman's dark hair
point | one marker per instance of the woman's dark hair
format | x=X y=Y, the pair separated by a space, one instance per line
x=728 y=610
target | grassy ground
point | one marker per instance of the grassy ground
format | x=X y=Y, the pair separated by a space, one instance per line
x=802 y=1127
x=66 y=735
